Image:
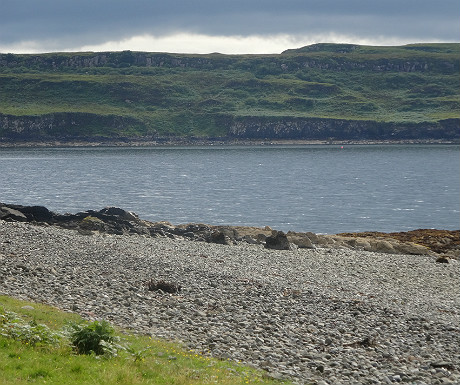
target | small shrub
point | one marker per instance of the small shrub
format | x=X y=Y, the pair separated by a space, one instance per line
x=95 y=337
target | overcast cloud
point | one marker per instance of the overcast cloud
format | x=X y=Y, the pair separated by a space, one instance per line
x=233 y=26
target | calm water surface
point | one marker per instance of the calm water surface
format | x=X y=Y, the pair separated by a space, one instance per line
x=324 y=189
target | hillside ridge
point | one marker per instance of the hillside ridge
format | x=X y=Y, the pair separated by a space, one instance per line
x=322 y=91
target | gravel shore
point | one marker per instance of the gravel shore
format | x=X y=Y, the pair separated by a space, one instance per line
x=321 y=316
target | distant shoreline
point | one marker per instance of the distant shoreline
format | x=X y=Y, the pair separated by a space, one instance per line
x=131 y=142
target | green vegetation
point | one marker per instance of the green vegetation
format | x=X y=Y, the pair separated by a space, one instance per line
x=35 y=348
x=128 y=93
x=95 y=338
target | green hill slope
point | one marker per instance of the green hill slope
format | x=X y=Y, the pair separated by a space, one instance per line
x=321 y=91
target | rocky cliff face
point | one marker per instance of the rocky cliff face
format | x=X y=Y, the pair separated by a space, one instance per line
x=105 y=59
x=317 y=128
x=61 y=125
x=71 y=126
x=281 y=63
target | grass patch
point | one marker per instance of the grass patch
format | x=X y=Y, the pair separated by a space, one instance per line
x=145 y=361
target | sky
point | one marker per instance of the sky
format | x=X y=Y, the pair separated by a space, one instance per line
x=225 y=26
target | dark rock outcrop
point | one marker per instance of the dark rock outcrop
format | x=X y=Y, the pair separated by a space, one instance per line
x=26 y=213
x=110 y=219
x=113 y=220
x=278 y=241
x=11 y=214
x=220 y=238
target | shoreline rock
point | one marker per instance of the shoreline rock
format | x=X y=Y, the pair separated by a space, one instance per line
x=113 y=220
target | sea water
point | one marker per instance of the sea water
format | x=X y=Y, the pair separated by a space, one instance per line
x=318 y=188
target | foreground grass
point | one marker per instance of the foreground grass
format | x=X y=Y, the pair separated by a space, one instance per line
x=147 y=362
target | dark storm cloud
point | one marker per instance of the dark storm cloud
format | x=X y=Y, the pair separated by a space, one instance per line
x=96 y=21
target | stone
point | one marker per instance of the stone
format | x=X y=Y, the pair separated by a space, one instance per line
x=92 y=224
x=381 y=246
x=442 y=364
x=300 y=240
x=277 y=241
x=7 y=213
x=25 y=213
x=250 y=240
x=38 y=213
x=442 y=259
x=120 y=213
x=220 y=238
x=261 y=238
x=411 y=248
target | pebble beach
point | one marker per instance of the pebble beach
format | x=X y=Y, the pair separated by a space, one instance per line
x=314 y=316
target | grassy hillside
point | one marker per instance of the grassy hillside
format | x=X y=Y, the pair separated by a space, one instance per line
x=203 y=95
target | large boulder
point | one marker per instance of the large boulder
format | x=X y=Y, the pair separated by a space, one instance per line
x=411 y=248
x=117 y=213
x=37 y=213
x=112 y=220
x=301 y=240
x=277 y=241
x=220 y=237
x=31 y=213
x=9 y=214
